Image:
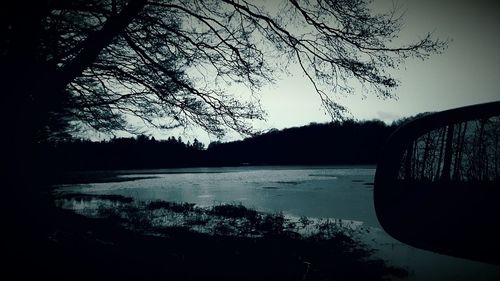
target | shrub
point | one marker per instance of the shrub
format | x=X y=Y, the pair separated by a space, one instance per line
x=171 y=206
x=235 y=211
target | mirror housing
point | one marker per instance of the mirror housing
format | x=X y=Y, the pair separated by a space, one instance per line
x=437 y=185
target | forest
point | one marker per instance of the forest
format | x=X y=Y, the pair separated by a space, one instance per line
x=347 y=142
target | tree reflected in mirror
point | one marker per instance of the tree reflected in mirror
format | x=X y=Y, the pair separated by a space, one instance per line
x=437 y=184
x=462 y=152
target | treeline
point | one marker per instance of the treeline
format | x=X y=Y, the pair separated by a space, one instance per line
x=346 y=142
x=315 y=144
x=141 y=152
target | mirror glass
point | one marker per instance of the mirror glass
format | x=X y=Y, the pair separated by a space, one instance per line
x=466 y=152
x=437 y=187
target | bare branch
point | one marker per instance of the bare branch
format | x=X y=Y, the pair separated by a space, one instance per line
x=171 y=63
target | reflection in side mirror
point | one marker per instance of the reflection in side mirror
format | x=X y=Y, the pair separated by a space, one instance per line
x=437 y=186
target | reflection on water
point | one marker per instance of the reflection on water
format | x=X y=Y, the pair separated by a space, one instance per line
x=318 y=192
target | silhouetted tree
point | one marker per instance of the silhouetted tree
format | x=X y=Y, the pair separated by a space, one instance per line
x=65 y=64
x=168 y=62
x=198 y=145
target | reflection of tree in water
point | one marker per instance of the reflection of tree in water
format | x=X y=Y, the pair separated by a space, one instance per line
x=466 y=151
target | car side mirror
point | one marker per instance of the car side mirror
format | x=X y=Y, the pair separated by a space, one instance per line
x=437 y=186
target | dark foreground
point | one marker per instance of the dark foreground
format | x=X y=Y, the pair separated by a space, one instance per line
x=57 y=244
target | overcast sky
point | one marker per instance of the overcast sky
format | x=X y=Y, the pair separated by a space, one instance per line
x=468 y=72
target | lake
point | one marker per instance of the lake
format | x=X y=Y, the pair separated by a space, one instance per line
x=341 y=192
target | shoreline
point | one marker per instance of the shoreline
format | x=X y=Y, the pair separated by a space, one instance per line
x=277 y=254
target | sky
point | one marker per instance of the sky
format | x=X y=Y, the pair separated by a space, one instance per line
x=468 y=72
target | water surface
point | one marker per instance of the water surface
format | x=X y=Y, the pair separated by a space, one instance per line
x=342 y=192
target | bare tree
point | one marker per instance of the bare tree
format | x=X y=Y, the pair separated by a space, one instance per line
x=170 y=62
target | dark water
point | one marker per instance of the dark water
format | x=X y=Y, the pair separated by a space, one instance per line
x=322 y=192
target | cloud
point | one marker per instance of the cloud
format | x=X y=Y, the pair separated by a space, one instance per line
x=387 y=116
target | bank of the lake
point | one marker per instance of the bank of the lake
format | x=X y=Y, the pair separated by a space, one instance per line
x=62 y=244
x=340 y=192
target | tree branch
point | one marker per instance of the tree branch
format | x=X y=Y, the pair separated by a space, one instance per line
x=96 y=42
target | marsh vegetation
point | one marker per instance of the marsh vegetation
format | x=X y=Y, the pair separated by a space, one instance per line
x=221 y=242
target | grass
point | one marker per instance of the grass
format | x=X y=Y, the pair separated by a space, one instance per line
x=171 y=206
x=161 y=240
x=234 y=211
x=88 y=197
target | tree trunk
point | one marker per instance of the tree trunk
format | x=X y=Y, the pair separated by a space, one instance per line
x=441 y=151
x=457 y=174
x=445 y=176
